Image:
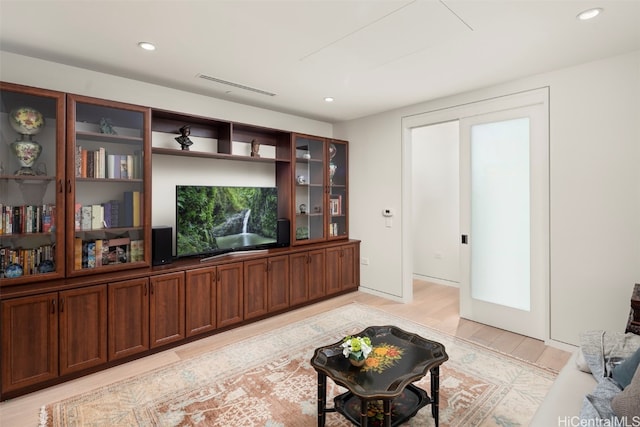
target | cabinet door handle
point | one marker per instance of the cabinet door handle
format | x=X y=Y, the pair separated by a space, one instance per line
x=61 y=305
x=60 y=187
x=69 y=186
x=53 y=306
x=151 y=288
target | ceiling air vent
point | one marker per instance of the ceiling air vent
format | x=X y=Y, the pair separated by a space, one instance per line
x=236 y=85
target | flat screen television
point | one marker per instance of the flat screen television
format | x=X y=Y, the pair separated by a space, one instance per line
x=213 y=220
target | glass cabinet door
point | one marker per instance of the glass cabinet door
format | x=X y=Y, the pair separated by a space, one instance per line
x=309 y=188
x=31 y=184
x=337 y=170
x=108 y=205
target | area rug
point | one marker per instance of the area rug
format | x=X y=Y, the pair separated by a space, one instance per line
x=267 y=381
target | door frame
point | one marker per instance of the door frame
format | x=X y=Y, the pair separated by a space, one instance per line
x=434 y=117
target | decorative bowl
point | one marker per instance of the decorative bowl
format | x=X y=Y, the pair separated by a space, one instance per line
x=46 y=266
x=26 y=120
x=13 y=271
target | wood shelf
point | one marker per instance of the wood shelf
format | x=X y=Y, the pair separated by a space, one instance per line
x=222 y=156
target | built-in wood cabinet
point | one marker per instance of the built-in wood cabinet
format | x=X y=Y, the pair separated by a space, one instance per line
x=229 y=290
x=320 y=189
x=341 y=268
x=128 y=317
x=166 y=309
x=266 y=286
x=108 y=186
x=52 y=334
x=146 y=313
x=307 y=279
x=82 y=328
x=50 y=337
x=79 y=292
x=32 y=184
x=200 y=294
x=277 y=283
x=29 y=341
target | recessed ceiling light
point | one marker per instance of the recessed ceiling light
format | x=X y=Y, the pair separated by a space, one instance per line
x=329 y=99
x=147 y=46
x=589 y=14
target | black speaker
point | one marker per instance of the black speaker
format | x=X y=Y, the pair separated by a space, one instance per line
x=161 y=247
x=283 y=231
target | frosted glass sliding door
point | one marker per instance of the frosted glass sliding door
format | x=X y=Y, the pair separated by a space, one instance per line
x=500 y=213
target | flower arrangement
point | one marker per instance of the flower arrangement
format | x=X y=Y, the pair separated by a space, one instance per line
x=356 y=348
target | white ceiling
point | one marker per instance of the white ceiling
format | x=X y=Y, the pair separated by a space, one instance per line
x=370 y=55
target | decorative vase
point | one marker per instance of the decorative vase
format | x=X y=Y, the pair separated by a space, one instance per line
x=332 y=171
x=27 y=152
x=358 y=362
x=27 y=122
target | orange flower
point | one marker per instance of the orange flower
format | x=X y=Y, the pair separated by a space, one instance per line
x=393 y=352
x=381 y=351
x=372 y=361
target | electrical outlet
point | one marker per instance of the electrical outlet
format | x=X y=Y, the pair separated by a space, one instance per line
x=364 y=261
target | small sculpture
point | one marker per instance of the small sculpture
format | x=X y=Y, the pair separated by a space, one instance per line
x=183 y=139
x=107 y=127
x=255 y=147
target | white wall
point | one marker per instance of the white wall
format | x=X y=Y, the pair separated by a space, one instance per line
x=436 y=202
x=595 y=191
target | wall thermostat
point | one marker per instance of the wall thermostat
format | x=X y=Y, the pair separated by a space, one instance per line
x=387 y=212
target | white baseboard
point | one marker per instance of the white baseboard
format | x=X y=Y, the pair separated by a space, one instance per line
x=436 y=280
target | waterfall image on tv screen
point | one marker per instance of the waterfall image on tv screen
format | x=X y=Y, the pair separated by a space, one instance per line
x=212 y=220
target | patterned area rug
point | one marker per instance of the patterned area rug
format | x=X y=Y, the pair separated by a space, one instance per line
x=267 y=381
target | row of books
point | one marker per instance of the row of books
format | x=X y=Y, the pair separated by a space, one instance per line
x=29 y=259
x=101 y=252
x=100 y=164
x=111 y=214
x=26 y=219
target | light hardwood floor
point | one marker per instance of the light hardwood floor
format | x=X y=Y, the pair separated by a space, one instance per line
x=433 y=305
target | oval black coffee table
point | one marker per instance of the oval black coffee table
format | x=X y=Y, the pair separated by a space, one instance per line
x=384 y=384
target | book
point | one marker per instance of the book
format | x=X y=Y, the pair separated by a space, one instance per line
x=86 y=218
x=83 y=163
x=77 y=253
x=111 y=166
x=115 y=213
x=127 y=210
x=130 y=167
x=124 y=174
x=48 y=218
x=106 y=209
x=78 y=216
x=98 y=253
x=97 y=217
x=91 y=254
x=136 y=209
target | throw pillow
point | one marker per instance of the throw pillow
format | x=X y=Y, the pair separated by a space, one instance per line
x=625 y=404
x=623 y=373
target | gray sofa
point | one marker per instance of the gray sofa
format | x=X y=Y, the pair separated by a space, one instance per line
x=565 y=402
x=565 y=397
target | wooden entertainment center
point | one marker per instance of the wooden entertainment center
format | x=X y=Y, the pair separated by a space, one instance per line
x=78 y=291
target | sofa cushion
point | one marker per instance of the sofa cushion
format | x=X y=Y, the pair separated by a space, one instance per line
x=625 y=404
x=623 y=373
